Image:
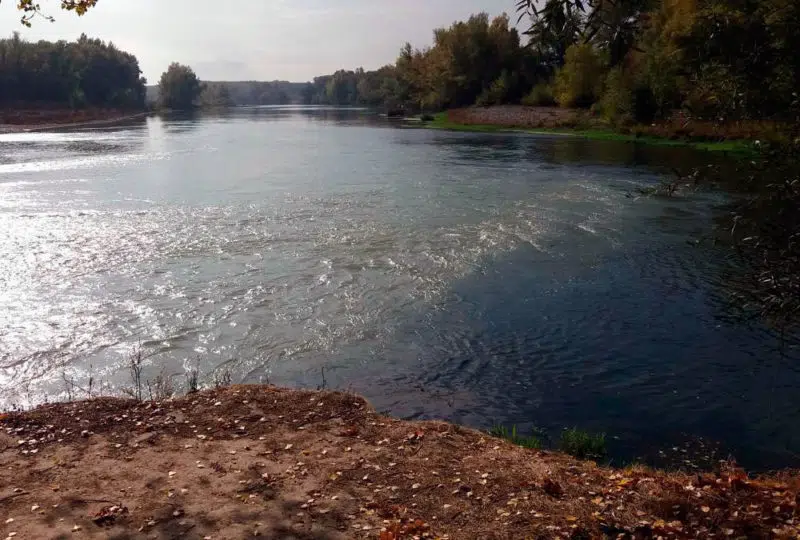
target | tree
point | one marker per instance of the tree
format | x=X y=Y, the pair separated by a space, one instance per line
x=31 y=8
x=611 y=24
x=179 y=88
x=83 y=73
x=550 y=37
x=215 y=95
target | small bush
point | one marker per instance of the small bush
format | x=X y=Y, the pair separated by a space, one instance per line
x=135 y=367
x=502 y=432
x=427 y=117
x=579 y=82
x=582 y=444
x=540 y=96
x=222 y=378
x=499 y=91
x=160 y=388
x=192 y=381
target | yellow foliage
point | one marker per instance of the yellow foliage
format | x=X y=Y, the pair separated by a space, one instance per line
x=579 y=82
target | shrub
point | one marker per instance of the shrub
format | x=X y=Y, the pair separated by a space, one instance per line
x=192 y=381
x=160 y=388
x=497 y=93
x=579 y=82
x=582 y=444
x=222 y=377
x=540 y=96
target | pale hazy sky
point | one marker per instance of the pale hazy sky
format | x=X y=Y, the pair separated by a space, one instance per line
x=256 y=39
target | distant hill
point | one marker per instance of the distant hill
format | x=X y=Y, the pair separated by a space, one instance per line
x=251 y=92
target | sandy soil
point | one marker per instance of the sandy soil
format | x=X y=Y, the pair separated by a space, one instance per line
x=517 y=116
x=244 y=462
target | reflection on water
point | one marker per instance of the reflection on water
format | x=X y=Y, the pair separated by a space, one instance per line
x=478 y=278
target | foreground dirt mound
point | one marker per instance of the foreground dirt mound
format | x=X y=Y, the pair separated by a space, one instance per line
x=275 y=463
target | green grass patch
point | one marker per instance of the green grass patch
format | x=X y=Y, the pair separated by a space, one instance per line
x=575 y=442
x=582 y=444
x=502 y=432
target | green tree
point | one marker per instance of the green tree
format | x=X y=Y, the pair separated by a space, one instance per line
x=555 y=28
x=179 y=88
x=87 y=72
x=613 y=25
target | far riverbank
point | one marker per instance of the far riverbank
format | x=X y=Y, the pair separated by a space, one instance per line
x=578 y=123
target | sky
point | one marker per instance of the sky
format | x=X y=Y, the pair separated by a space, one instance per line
x=291 y=40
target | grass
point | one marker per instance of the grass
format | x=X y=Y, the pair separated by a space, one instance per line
x=575 y=442
x=440 y=121
x=502 y=432
x=582 y=444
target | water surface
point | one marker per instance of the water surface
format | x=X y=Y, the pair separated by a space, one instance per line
x=478 y=278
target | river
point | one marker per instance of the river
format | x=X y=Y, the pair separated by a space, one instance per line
x=477 y=278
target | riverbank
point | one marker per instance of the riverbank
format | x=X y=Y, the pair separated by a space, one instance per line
x=251 y=460
x=48 y=120
x=577 y=123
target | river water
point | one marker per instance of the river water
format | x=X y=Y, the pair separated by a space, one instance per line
x=478 y=278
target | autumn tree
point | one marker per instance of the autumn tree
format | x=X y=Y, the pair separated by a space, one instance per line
x=31 y=9
x=179 y=88
x=579 y=82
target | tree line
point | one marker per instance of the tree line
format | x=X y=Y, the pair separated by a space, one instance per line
x=480 y=60
x=642 y=60
x=628 y=60
x=242 y=93
x=86 y=72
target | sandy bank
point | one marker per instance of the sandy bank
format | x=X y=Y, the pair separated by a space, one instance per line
x=67 y=123
x=278 y=463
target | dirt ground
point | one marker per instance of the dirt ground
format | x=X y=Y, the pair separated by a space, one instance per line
x=518 y=116
x=254 y=461
x=18 y=121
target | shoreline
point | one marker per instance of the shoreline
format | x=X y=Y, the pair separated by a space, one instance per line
x=442 y=121
x=101 y=122
x=241 y=460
